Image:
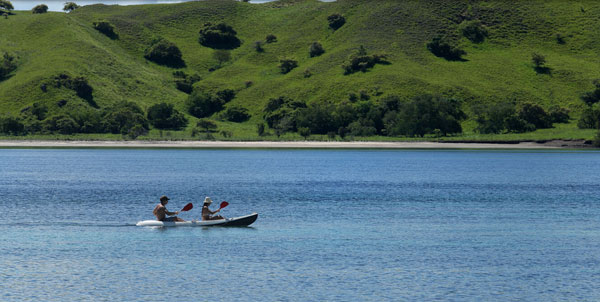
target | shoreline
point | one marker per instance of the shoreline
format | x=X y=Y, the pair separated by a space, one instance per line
x=554 y=144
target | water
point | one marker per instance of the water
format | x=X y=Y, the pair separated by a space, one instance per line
x=334 y=225
x=57 y=6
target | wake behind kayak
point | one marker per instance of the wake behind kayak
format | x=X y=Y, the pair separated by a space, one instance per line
x=229 y=222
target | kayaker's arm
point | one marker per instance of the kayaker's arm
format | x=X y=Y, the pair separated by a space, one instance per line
x=171 y=213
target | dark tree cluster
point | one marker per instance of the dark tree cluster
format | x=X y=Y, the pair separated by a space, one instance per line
x=165 y=53
x=336 y=21
x=361 y=61
x=6 y=6
x=218 y=36
x=78 y=84
x=390 y=116
x=40 y=9
x=442 y=48
x=286 y=65
x=164 y=116
x=70 y=6
x=473 y=30
x=590 y=117
x=316 y=49
x=236 y=114
x=185 y=82
x=8 y=64
x=204 y=104
x=106 y=28
x=506 y=117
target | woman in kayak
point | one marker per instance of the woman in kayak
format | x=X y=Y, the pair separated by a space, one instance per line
x=207 y=213
x=160 y=211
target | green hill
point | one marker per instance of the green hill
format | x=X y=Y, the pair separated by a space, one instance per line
x=500 y=69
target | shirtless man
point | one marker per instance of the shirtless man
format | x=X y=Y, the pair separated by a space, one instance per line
x=206 y=212
x=160 y=211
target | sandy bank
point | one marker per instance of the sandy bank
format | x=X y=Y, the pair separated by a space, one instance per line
x=294 y=144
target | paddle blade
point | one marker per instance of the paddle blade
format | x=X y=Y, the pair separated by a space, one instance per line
x=187 y=207
x=223 y=204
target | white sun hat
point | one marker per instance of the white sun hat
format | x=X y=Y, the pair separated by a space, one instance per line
x=207 y=200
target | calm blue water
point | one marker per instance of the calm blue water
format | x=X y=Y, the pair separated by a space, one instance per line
x=334 y=225
x=57 y=6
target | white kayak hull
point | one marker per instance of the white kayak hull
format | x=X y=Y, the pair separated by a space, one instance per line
x=236 y=221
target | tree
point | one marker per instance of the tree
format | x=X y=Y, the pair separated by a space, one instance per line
x=222 y=56
x=442 y=48
x=590 y=97
x=202 y=104
x=165 y=53
x=236 y=114
x=164 y=116
x=360 y=61
x=286 y=65
x=316 y=49
x=336 y=21
x=207 y=125
x=473 y=30
x=535 y=115
x=40 y=9
x=258 y=46
x=304 y=132
x=70 y=6
x=11 y=125
x=106 y=28
x=6 y=6
x=122 y=117
x=538 y=60
x=8 y=64
x=218 y=36
x=271 y=38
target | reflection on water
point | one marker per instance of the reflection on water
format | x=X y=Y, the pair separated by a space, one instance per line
x=58 y=5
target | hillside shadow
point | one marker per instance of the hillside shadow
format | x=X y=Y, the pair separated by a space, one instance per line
x=543 y=70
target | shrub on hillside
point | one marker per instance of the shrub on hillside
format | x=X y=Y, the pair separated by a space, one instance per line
x=590 y=97
x=316 y=49
x=361 y=61
x=258 y=46
x=78 y=84
x=8 y=64
x=236 y=114
x=590 y=117
x=219 y=36
x=280 y=113
x=559 y=114
x=336 y=21
x=535 y=115
x=40 y=9
x=164 y=116
x=106 y=28
x=165 y=53
x=203 y=104
x=70 y=6
x=286 y=65
x=226 y=95
x=122 y=117
x=271 y=38
x=6 y=6
x=11 y=125
x=185 y=82
x=441 y=48
x=473 y=30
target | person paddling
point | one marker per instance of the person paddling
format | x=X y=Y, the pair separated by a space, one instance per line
x=161 y=212
x=207 y=213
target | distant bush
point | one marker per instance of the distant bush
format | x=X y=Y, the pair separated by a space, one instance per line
x=271 y=38
x=236 y=114
x=503 y=116
x=40 y=9
x=316 y=49
x=286 y=65
x=441 y=48
x=590 y=97
x=165 y=53
x=280 y=113
x=361 y=61
x=260 y=129
x=226 y=95
x=164 y=116
x=538 y=60
x=185 y=82
x=336 y=21
x=208 y=126
x=78 y=84
x=122 y=117
x=8 y=64
x=106 y=28
x=560 y=39
x=6 y=6
x=11 y=126
x=559 y=114
x=70 y=6
x=590 y=117
x=222 y=56
x=203 y=104
x=258 y=46
x=219 y=36
x=535 y=115
x=473 y=30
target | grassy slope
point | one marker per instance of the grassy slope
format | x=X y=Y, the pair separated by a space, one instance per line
x=498 y=69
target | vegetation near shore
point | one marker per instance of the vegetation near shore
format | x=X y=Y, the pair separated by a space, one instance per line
x=303 y=69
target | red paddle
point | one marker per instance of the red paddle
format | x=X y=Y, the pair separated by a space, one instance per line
x=223 y=204
x=187 y=207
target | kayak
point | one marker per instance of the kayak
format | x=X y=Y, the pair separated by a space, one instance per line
x=228 y=222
